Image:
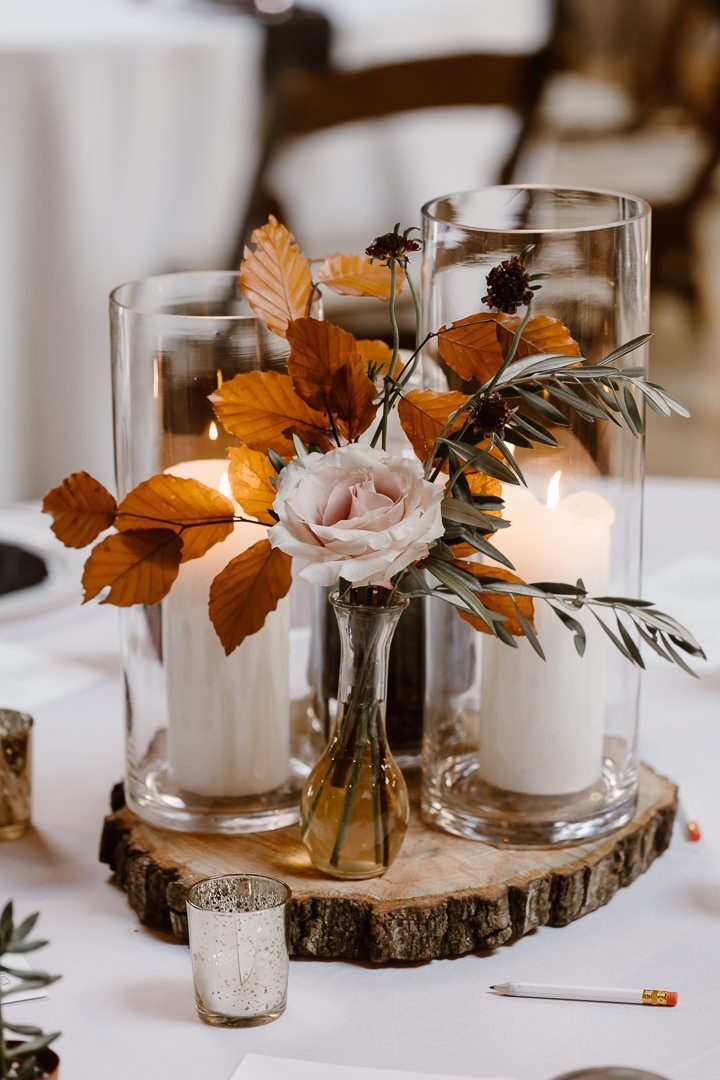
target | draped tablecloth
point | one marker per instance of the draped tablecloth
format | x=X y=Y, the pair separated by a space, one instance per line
x=125 y=1004
x=128 y=140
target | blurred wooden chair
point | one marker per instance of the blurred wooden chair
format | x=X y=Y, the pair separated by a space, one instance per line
x=302 y=102
x=668 y=147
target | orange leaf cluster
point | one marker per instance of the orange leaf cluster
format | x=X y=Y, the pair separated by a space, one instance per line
x=327 y=382
x=475 y=347
x=356 y=275
x=162 y=522
x=329 y=372
x=262 y=409
x=504 y=604
x=276 y=277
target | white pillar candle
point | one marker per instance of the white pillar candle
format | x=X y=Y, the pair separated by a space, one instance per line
x=228 y=716
x=542 y=722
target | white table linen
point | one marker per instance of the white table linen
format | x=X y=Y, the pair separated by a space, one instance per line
x=125 y=1003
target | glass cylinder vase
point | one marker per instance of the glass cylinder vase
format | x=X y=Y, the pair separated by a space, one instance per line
x=519 y=750
x=354 y=809
x=215 y=743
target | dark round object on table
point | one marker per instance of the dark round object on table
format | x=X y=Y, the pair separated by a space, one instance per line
x=610 y=1072
x=19 y=569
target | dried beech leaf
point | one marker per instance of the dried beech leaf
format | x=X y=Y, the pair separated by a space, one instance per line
x=480 y=484
x=250 y=475
x=542 y=334
x=191 y=509
x=261 y=407
x=470 y=346
x=376 y=352
x=329 y=373
x=139 y=566
x=503 y=604
x=81 y=508
x=247 y=590
x=424 y=414
x=355 y=275
x=276 y=277
x=351 y=399
x=317 y=350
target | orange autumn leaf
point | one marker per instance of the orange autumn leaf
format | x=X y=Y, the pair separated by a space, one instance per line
x=375 y=352
x=352 y=399
x=470 y=346
x=504 y=604
x=262 y=409
x=139 y=566
x=317 y=350
x=276 y=277
x=246 y=591
x=192 y=510
x=424 y=414
x=329 y=373
x=81 y=508
x=250 y=475
x=480 y=484
x=542 y=334
x=356 y=275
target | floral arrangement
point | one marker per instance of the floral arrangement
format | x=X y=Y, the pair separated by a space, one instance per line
x=312 y=464
x=312 y=460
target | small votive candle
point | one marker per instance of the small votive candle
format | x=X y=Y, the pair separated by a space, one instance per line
x=238 y=943
x=15 y=773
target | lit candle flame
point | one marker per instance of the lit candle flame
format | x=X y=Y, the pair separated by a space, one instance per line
x=213 y=432
x=553 y=491
x=224 y=485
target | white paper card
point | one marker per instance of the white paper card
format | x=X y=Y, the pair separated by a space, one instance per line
x=8 y=981
x=260 y=1067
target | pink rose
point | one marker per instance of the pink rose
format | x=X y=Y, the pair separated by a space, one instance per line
x=357 y=513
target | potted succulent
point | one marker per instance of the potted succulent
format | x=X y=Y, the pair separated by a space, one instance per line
x=28 y=1057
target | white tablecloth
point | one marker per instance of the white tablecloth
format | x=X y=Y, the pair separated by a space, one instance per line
x=125 y=1004
x=129 y=138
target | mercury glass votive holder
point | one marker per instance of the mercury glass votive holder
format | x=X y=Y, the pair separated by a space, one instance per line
x=15 y=773
x=238 y=943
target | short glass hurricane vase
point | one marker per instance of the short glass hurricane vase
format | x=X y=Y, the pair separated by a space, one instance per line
x=519 y=751
x=354 y=808
x=215 y=743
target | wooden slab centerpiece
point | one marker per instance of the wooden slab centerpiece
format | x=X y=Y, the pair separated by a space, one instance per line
x=444 y=896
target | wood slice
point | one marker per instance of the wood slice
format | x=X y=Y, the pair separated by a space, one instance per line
x=443 y=897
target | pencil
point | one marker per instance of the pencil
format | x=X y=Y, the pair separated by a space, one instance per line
x=689 y=823
x=587 y=993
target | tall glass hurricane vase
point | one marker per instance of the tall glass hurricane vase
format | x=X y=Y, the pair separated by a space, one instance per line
x=354 y=809
x=213 y=742
x=519 y=750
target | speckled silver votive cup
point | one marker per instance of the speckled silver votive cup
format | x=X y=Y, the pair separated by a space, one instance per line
x=15 y=773
x=238 y=942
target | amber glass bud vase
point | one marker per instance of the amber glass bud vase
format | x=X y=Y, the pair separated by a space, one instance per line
x=354 y=809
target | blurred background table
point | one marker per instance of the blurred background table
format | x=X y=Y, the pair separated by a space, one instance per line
x=125 y=1004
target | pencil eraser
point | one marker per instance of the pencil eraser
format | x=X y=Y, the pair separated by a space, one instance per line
x=672 y=998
